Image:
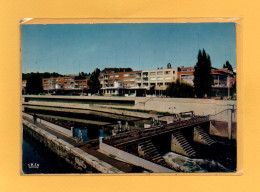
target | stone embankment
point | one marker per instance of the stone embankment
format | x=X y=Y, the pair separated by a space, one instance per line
x=69 y=150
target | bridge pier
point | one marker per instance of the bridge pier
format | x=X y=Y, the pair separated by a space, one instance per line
x=200 y=136
x=180 y=144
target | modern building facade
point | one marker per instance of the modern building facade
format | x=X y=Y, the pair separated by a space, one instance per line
x=223 y=79
x=140 y=83
x=64 y=84
x=185 y=74
x=159 y=78
x=120 y=83
x=137 y=82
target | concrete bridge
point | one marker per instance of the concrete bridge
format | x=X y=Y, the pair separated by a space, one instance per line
x=143 y=144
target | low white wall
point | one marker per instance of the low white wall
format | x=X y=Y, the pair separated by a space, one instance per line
x=134 y=159
x=223 y=116
x=178 y=105
x=175 y=105
x=60 y=129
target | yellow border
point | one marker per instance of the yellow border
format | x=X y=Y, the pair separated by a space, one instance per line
x=237 y=21
x=248 y=100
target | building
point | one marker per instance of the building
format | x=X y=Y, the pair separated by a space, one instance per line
x=81 y=83
x=64 y=85
x=137 y=82
x=158 y=78
x=223 y=79
x=121 y=83
x=185 y=74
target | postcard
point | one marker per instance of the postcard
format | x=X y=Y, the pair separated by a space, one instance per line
x=120 y=98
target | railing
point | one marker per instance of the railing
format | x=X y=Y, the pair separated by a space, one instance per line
x=42 y=118
x=127 y=137
x=123 y=138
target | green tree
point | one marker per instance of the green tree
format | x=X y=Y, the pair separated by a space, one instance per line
x=234 y=89
x=34 y=83
x=228 y=65
x=202 y=75
x=93 y=82
x=179 y=89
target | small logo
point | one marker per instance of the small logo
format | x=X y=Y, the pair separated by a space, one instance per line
x=33 y=165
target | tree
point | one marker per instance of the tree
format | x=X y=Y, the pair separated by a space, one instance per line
x=234 y=89
x=80 y=76
x=202 y=75
x=228 y=65
x=34 y=83
x=179 y=89
x=93 y=82
x=151 y=91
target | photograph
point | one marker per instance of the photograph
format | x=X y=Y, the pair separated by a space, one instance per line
x=128 y=98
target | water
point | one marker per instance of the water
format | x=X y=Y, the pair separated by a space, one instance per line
x=36 y=153
x=89 y=134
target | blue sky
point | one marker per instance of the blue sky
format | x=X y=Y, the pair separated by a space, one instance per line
x=72 y=48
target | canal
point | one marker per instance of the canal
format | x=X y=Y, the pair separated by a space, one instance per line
x=86 y=127
x=90 y=125
x=49 y=162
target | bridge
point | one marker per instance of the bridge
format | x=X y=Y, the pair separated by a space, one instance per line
x=144 y=134
x=141 y=144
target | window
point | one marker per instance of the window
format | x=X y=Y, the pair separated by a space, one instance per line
x=152 y=73
x=167 y=72
x=126 y=75
x=153 y=79
x=159 y=73
x=173 y=72
x=116 y=75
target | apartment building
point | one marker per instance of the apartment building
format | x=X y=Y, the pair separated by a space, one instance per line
x=63 y=84
x=136 y=82
x=159 y=78
x=120 y=83
x=185 y=74
x=81 y=83
x=223 y=79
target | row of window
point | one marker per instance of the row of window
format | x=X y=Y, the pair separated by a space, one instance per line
x=81 y=81
x=139 y=74
x=139 y=84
